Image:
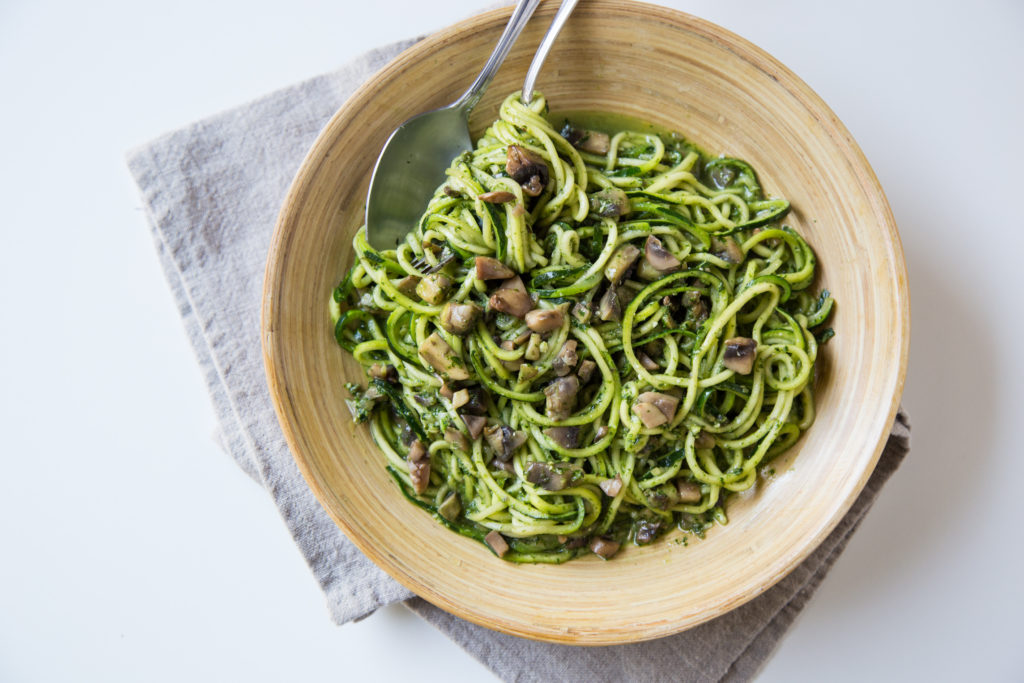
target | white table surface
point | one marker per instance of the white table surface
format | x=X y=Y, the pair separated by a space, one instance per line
x=134 y=549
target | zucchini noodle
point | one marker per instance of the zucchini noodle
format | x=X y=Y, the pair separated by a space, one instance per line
x=587 y=340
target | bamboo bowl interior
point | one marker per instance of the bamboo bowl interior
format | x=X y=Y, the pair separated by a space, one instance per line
x=726 y=95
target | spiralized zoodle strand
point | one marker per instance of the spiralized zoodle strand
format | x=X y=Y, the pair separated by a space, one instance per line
x=667 y=355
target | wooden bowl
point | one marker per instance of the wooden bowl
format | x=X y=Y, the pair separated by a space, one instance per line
x=682 y=73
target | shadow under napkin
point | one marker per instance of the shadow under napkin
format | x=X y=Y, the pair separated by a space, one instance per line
x=212 y=192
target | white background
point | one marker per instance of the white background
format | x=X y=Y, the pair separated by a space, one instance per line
x=134 y=549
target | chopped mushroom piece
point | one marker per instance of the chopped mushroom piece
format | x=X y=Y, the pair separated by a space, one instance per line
x=566 y=437
x=727 y=249
x=513 y=365
x=459 y=318
x=608 y=309
x=566 y=359
x=582 y=311
x=561 y=397
x=545 y=320
x=659 y=257
x=604 y=548
x=688 y=491
x=611 y=487
x=442 y=357
x=620 y=262
x=434 y=288
x=457 y=439
x=475 y=424
x=407 y=285
x=417 y=450
x=419 y=466
x=488 y=268
x=586 y=370
x=512 y=298
x=647 y=531
x=550 y=476
x=704 y=440
x=739 y=354
x=664 y=402
x=601 y=432
x=460 y=398
x=586 y=140
x=446 y=390
x=645 y=271
x=383 y=371
x=504 y=440
x=526 y=169
x=477 y=402
x=451 y=508
x=527 y=373
x=497 y=197
x=646 y=361
x=649 y=414
x=497 y=543
x=610 y=202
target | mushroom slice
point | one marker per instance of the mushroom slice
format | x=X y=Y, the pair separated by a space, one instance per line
x=417 y=451
x=442 y=357
x=608 y=309
x=512 y=365
x=451 y=508
x=664 y=402
x=601 y=432
x=512 y=298
x=407 y=285
x=561 y=397
x=566 y=437
x=647 y=362
x=533 y=348
x=611 y=487
x=550 y=476
x=488 y=268
x=457 y=439
x=727 y=249
x=739 y=354
x=620 y=262
x=504 y=440
x=526 y=169
x=459 y=318
x=434 y=288
x=460 y=398
x=604 y=547
x=610 y=202
x=497 y=197
x=647 y=531
x=649 y=414
x=497 y=543
x=419 y=466
x=386 y=372
x=586 y=370
x=475 y=424
x=545 y=320
x=566 y=359
x=582 y=311
x=586 y=140
x=659 y=257
x=704 y=440
x=688 y=491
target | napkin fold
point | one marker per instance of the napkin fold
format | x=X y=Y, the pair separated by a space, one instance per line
x=212 y=191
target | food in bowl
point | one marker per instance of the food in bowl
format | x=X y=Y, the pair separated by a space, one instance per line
x=590 y=338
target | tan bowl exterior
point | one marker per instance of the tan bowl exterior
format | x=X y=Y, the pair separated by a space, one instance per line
x=728 y=96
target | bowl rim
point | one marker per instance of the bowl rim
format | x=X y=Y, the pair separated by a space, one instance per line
x=745 y=50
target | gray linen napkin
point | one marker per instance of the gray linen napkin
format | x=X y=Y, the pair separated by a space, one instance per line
x=212 y=191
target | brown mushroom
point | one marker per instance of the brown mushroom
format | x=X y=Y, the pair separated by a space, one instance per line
x=457 y=439
x=647 y=531
x=561 y=397
x=566 y=359
x=533 y=347
x=434 y=288
x=646 y=361
x=475 y=424
x=608 y=308
x=497 y=543
x=446 y=390
x=620 y=262
x=488 y=268
x=419 y=466
x=407 y=285
x=436 y=352
x=582 y=311
x=477 y=403
x=497 y=197
x=460 y=398
x=688 y=491
x=566 y=437
x=512 y=298
x=591 y=141
x=739 y=354
x=664 y=402
x=550 y=476
x=727 y=249
x=459 y=318
x=611 y=487
x=704 y=440
x=610 y=202
x=383 y=371
x=512 y=365
x=545 y=320
x=586 y=370
x=451 y=508
x=526 y=169
x=504 y=440
x=649 y=414
x=660 y=258
x=601 y=432
x=417 y=451
x=603 y=547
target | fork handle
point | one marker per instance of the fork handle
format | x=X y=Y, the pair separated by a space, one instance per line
x=561 y=16
x=516 y=23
